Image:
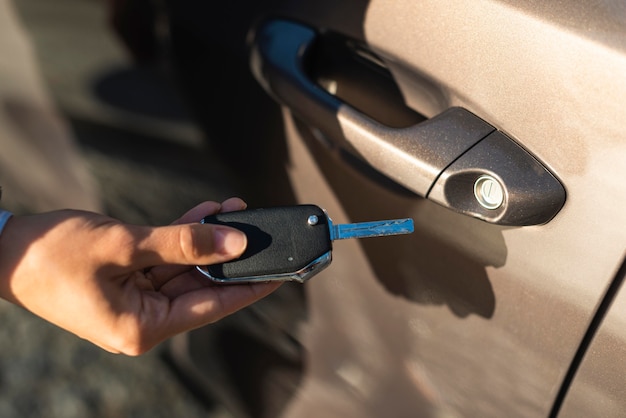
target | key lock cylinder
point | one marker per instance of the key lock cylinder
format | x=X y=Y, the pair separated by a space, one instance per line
x=291 y=243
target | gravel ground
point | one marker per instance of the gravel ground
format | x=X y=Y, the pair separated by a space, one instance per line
x=47 y=372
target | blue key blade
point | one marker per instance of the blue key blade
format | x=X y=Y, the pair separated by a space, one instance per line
x=372 y=229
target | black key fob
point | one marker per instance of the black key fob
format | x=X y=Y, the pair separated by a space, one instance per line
x=290 y=243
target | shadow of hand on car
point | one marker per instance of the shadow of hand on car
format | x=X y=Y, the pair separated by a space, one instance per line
x=443 y=262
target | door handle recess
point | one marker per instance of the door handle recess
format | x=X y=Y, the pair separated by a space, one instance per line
x=455 y=158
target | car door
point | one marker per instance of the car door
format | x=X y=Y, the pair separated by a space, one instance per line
x=498 y=127
x=465 y=317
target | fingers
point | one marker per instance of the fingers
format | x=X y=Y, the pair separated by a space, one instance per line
x=209 y=208
x=191 y=244
x=203 y=306
x=183 y=313
x=188 y=244
x=233 y=204
x=198 y=212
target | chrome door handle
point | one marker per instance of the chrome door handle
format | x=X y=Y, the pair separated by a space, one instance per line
x=448 y=158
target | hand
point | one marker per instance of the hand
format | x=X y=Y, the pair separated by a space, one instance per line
x=125 y=288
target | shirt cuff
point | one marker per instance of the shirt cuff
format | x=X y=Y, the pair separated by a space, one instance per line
x=5 y=215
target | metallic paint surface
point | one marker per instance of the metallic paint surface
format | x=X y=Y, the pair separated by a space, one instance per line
x=599 y=388
x=560 y=92
x=468 y=319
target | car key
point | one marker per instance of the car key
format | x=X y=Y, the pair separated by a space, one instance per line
x=290 y=243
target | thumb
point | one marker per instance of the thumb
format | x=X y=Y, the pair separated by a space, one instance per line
x=190 y=244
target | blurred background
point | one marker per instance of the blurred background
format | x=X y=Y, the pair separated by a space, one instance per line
x=137 y=157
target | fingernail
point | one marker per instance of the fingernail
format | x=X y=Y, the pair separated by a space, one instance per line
x=230 y=241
